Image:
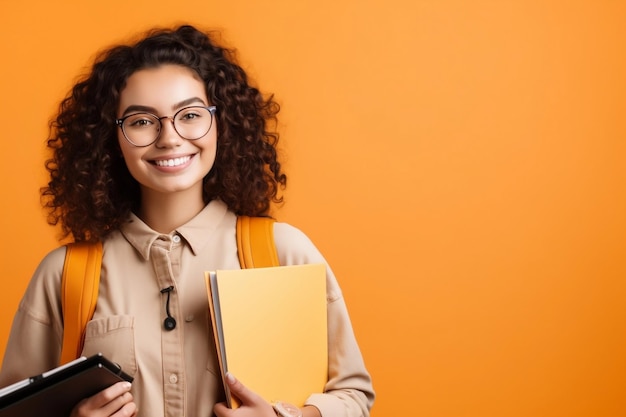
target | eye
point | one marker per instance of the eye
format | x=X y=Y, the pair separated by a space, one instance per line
x=138 y=121
x=141 y=122
x=190 y=115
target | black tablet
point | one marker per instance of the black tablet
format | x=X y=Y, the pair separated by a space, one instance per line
x=56 y=392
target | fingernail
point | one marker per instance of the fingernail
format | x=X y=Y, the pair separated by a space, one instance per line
x=230 y=378
x=127 y=385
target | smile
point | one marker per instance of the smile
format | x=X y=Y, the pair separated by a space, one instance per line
x=173 y=162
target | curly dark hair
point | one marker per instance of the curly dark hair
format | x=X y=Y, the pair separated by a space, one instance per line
x=91 y=192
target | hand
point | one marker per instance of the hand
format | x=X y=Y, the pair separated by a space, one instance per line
x=115 y=401
x=252 y=404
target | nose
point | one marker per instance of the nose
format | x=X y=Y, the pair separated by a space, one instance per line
x=168 y=136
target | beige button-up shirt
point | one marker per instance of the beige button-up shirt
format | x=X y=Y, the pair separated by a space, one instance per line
x=176 y=373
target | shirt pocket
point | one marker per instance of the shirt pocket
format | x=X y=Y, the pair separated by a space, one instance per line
x=114 y=337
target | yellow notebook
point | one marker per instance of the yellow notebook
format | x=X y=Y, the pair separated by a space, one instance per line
x=270 y=329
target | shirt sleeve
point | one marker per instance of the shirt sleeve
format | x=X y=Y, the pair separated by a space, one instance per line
x=35 y=339
x=349 y=391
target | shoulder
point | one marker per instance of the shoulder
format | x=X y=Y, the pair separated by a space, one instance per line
x=294 y=246
x=51 y=266
x=42 y=297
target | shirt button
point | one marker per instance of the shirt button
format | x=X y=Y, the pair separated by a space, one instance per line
x=189 y=318
x=173 y=378
x=176 y=239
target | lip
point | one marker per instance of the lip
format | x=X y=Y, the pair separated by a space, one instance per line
x=172 y=163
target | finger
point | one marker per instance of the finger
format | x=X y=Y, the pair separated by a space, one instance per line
x=112 y=398
x=128 y=410
x=239 y=390
x=221 y=410
x=118 y=404
x=108 y=395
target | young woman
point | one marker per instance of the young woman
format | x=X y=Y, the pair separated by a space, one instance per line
x=155 y=153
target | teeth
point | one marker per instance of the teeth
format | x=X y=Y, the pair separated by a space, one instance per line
x=173 y=162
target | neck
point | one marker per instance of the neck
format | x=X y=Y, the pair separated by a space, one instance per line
x=164 y=213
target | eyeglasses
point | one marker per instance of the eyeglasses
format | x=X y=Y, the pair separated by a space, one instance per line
x=143 y=129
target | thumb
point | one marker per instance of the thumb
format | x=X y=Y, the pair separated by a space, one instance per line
x=239 y=390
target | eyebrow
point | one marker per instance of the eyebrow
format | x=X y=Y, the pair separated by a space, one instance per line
x=139 y=108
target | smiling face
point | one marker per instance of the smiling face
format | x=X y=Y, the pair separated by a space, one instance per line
x=172 y=166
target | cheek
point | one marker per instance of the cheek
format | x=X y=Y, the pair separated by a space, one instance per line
x=208 y=144
x=122 y=144
x=127 y=150
x=129 y=154
x=210 y=151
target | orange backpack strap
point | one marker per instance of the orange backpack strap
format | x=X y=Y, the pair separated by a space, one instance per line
x=79 y=293
x=255 y=242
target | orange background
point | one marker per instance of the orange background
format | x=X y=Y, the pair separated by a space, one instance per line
x=459 y=163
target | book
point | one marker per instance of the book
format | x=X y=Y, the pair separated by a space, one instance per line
x=56 y=392
x=270 y=329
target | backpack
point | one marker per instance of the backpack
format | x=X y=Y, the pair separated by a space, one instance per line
x=81 y=276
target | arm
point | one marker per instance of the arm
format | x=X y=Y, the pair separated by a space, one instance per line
x=349 y=391
x=34 y=343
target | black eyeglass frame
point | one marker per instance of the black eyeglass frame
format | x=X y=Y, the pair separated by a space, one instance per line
x=120 y=123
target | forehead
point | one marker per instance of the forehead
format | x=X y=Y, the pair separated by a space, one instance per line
x=162 y=87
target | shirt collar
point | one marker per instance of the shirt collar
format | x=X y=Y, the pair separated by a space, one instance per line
x=196 y=231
